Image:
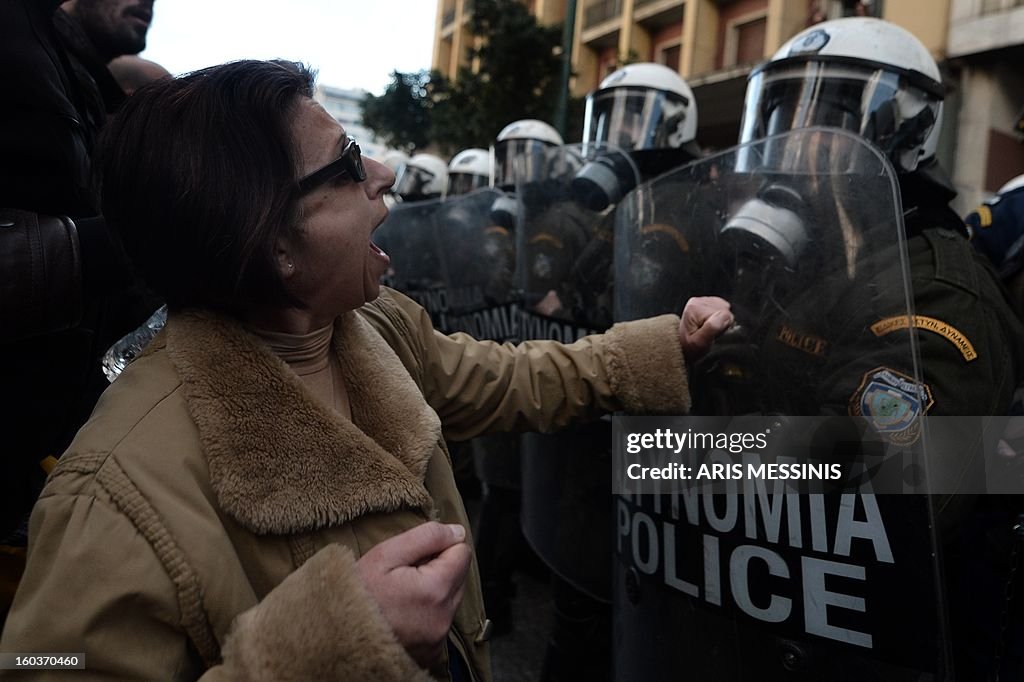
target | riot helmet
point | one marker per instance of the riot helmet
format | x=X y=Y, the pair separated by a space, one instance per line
x=861 y=74
x=642 y=118
x=468 y=170
x=395 y=159
x=641 y=106
x=522 y=151
x=424 y=176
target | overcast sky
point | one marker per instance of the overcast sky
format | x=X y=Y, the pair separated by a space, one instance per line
x=353 y=43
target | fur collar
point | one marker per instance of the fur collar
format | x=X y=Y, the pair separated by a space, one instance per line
x=279 y=461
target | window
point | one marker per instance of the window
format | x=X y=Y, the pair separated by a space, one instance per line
x=854 y=8
x=745 y=39
x=669 y=55
x=448 y=14
x=750 y=41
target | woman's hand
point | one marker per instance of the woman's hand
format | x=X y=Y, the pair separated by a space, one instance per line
x=703 y=319
x=417 y=579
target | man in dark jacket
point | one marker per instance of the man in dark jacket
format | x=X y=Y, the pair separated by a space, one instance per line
x=66 y=295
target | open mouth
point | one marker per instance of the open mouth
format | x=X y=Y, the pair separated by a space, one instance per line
x=374 y=249
x=379 y=253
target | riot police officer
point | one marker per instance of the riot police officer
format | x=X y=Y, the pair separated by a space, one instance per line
x=997 y=230
x=424 y=176
x=478 y=256
x=522 y=153
x=468 y=170
x=640 y=122
x=395 y=159
x=876 y=80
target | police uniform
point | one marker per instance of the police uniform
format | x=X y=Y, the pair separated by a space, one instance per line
x=997 y=231
x=831 y=351
x=566 y=508
x=840 y=347
x=556 y=233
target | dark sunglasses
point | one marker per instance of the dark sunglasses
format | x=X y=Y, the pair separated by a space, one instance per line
x=349 y=163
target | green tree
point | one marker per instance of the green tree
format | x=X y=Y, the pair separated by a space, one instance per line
x=518 y=77
x=400 y=117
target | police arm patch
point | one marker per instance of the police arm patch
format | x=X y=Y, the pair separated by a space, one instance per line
x=670 y=232
x=932 y=324
x=892 y=402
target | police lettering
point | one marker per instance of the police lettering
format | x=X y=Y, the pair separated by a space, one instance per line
x=808 y=343
x=434 y=301
x=718 y=548
x=497 y=324
x=537 y=327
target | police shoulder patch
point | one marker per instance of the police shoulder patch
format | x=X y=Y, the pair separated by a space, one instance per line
x=668 y=231
x=892 y=402
x=932 y=324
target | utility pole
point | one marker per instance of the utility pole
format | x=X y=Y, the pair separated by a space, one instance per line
x=568 y=30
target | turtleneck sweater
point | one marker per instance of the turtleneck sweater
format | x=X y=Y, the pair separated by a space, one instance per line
x=310 y=356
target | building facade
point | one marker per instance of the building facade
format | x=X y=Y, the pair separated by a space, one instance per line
x=986 y=63
x=453 y=39
x=346 y=107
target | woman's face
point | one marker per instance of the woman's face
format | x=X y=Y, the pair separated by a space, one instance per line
x=331 y=264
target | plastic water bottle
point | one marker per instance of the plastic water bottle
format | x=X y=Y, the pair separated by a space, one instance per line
x=124 y=351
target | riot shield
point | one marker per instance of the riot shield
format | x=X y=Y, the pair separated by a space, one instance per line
x=564 y=246
x=477 y=261
x=803 y=234
x=565 y=273
x=409 y=237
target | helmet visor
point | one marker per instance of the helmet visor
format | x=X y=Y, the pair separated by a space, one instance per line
x=520 y=160
x=881 y=106
x=413 y=181
x=635 y=118
x=464 y=183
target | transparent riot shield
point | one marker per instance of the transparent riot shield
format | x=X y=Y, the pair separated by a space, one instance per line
x=409 y=237
x=477 y=259
x=565 y=241
x=803 y=234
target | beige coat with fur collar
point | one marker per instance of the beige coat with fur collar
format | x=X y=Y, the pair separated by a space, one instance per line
x=208 y=517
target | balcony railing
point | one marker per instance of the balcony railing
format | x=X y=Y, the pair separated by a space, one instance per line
x=601 y=10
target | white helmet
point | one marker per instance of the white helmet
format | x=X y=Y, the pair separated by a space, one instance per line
x=468 y=170
x=424 y=176
x=862 y=74
x=395 y=159
x=522 y=151
x=641 y=106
